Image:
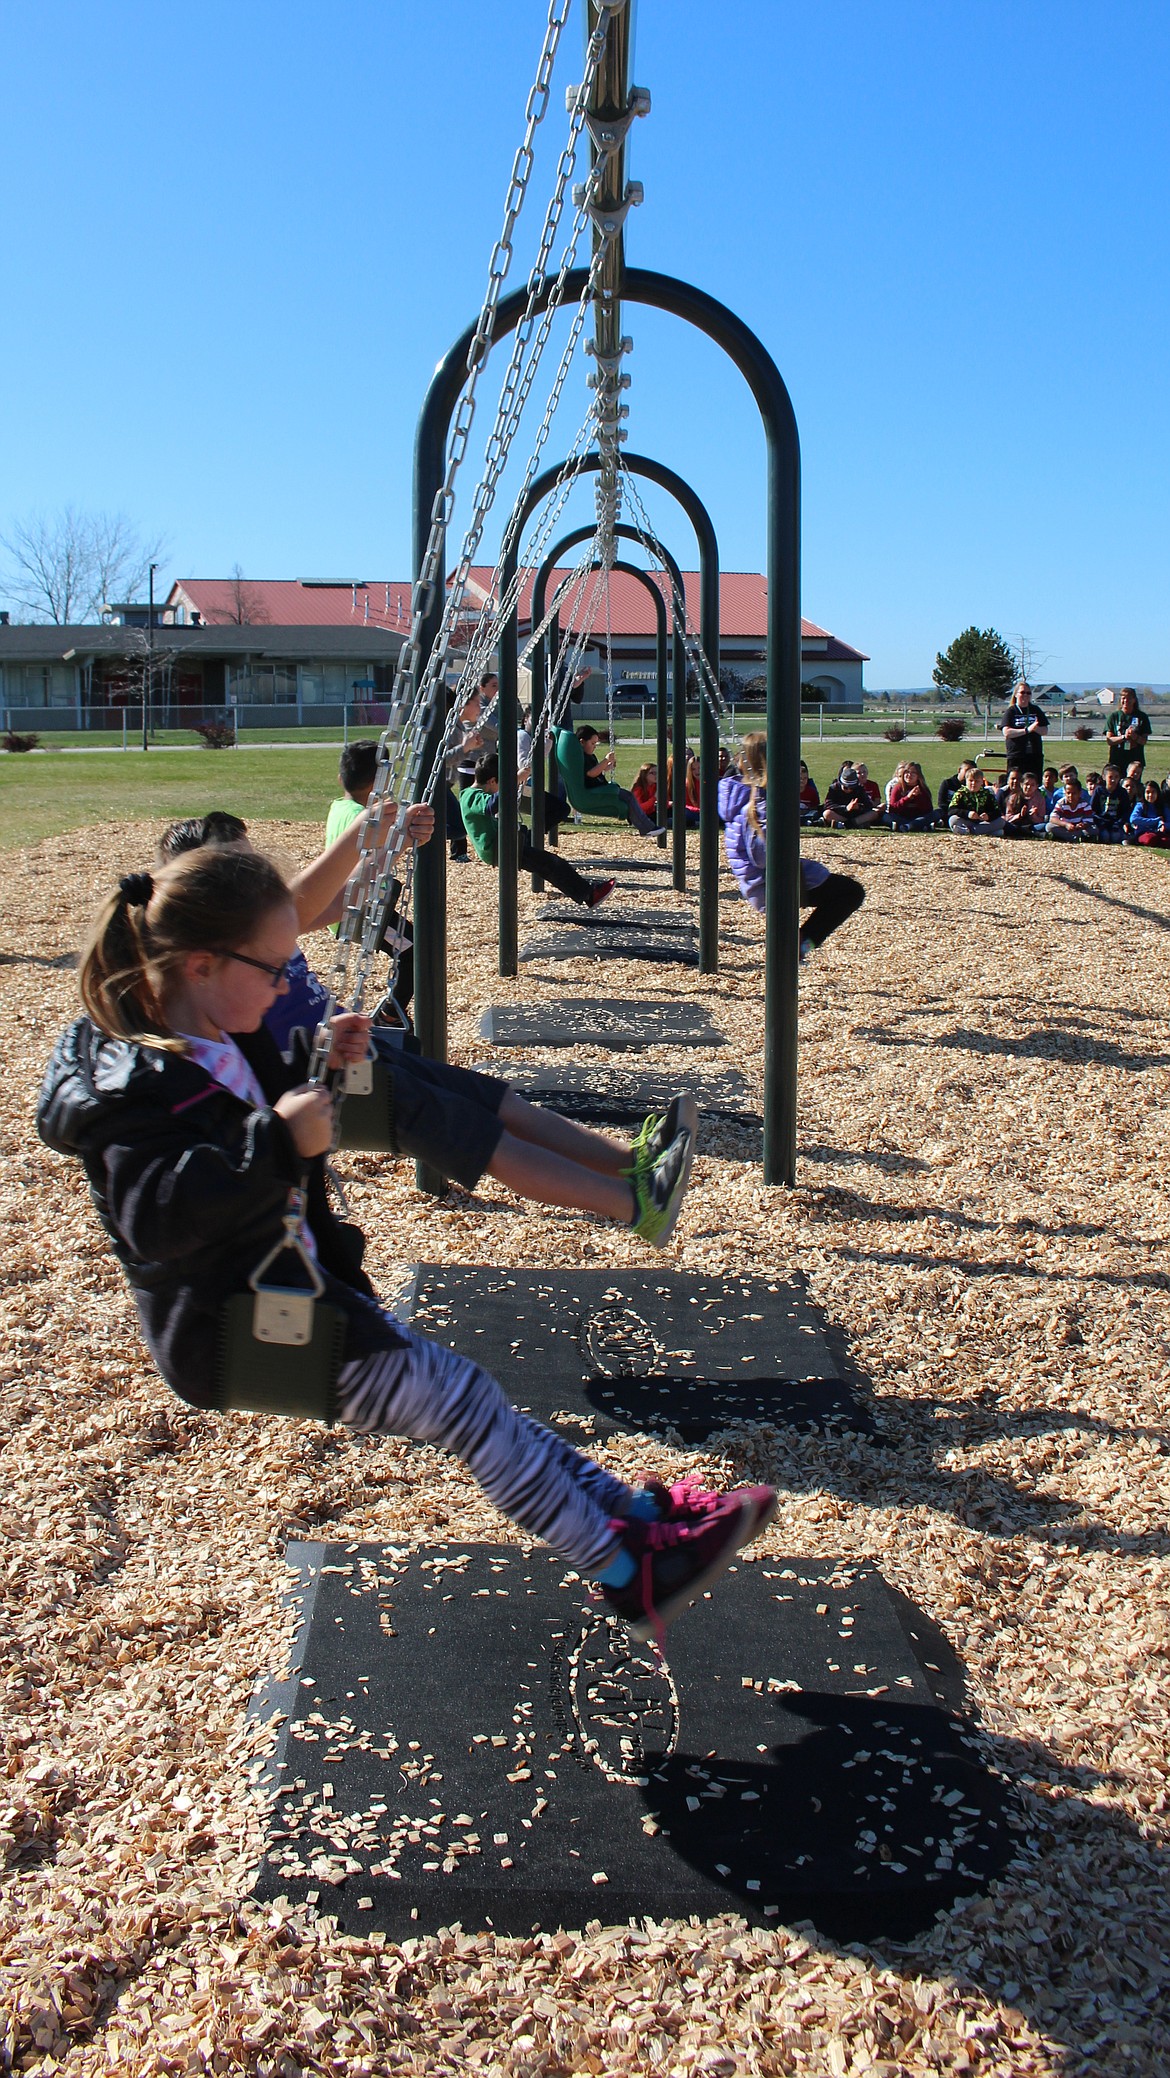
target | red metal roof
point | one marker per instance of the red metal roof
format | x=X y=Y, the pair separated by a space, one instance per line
x=300 y=602
x=295 y=602
x=743 y=606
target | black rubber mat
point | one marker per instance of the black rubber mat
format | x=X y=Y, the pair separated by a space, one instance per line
x=473 y=1737
x=665 y=948
x=658 y=1352
x=617 y=1096
x=607 y=918
x=616 y=1026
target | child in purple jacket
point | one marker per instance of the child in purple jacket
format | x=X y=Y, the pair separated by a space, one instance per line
x=830 y=896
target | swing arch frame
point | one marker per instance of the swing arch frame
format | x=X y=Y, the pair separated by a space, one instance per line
x=706 y=314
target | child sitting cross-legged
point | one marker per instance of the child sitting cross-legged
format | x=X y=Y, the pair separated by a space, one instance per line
x=645 y=790
x=1112 y=807
x=1148 y=822
x=974 y=808
x=199 y=1142
x=1071 y=820
x=909 y=805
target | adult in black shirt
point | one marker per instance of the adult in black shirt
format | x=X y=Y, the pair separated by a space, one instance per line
x=1127 y=731
x=1023 y=728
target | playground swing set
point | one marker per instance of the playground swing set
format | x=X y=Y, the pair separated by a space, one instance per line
x=279 y=1346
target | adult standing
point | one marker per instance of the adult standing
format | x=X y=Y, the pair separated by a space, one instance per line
x=1127 y=730
x=1023 y=728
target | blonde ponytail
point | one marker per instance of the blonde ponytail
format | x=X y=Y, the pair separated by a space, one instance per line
x=210 y=900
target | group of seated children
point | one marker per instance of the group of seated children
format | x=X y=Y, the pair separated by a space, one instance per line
x=1109 y=807
x=182 y=1092
x=1116 y=806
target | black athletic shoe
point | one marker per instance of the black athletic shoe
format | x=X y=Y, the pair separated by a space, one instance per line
x=599 y=891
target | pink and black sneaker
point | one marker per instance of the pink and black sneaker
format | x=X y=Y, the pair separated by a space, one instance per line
x=676 y=1561
x=688 y=1500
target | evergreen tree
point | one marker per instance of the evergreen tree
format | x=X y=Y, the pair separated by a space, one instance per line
x=978 y=663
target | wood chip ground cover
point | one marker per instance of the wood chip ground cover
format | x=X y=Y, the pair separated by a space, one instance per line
x=981 y=1205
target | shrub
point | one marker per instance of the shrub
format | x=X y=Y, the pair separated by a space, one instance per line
x=13 y=740
x=219 y=735
x=1083 y=734
x=895 y=733
x=952 y=728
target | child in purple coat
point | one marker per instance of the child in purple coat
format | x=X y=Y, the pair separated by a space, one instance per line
x=831 y=897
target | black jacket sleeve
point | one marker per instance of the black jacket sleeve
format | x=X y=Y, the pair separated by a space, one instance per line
x=169 y=1192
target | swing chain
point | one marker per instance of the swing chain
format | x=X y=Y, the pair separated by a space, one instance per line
x=706 y=678
x=402 y=748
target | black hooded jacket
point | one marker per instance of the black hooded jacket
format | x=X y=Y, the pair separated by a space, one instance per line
x=191 y=1185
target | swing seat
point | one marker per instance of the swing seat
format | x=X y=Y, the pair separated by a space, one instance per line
x=587 y=800
x=367 y=1122
x=254 y=1377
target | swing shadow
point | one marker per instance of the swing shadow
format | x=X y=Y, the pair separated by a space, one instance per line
x=1056 y=1043
x=1056 y=1807
x=1148 y=916
x=865 y=1470
x=62 y=961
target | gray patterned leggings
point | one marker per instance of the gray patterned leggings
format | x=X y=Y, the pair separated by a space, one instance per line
x=430 y=1394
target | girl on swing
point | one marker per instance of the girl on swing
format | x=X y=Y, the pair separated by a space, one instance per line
x=193 y=1132
x=743 y=801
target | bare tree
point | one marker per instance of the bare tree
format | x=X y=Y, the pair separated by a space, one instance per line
x=1030 y=660
x=121 y=558
x=147 y=672
x=245 y=607
x=68 y=566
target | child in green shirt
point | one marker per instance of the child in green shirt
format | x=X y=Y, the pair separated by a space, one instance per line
x=480 y=808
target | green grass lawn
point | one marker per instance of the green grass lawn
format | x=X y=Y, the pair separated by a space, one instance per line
x=41 y=796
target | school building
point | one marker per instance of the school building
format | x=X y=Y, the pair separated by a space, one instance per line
x=297 y=651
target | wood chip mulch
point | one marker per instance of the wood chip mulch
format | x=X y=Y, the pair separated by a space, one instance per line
x=981 y=1206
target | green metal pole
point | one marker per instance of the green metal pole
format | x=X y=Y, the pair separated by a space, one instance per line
x=678 y=731
x=661 y=721
x=709 y=774
x=554 y=777
x=536 y=775
x=539 y=605
x=508 y=839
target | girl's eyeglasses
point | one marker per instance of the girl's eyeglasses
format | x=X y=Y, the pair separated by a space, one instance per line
x=275 y=974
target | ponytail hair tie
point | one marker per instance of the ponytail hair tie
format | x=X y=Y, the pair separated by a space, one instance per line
x=136 y=889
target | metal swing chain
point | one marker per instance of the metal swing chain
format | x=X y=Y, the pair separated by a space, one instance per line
x=513 y=395
x=402 y=746
x=609 y=645
x=573 y=652
x=406 y=767
x=706 y=678
x=493 y=615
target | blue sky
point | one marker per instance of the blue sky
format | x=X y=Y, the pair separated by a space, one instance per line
x=238 y=238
